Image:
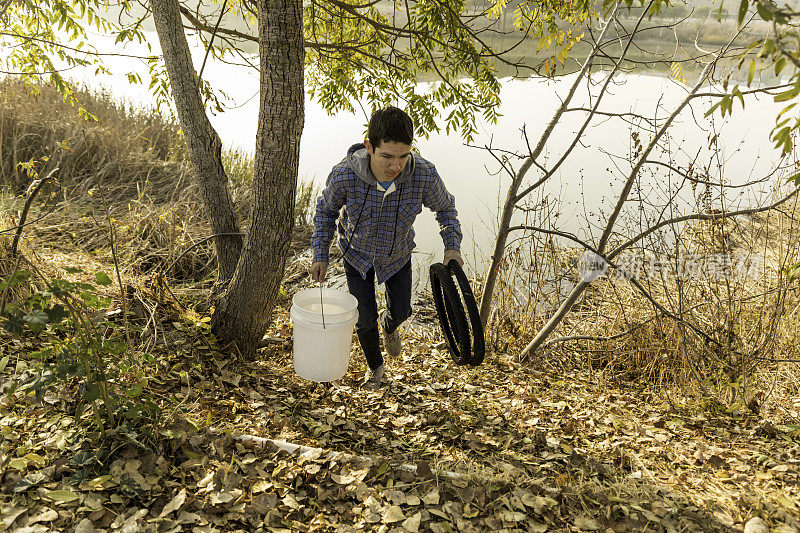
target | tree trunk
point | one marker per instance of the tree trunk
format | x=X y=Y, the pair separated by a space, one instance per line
x=244 y=310
x=204 y=145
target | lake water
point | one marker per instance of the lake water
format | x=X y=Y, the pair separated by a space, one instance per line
x=585 y=184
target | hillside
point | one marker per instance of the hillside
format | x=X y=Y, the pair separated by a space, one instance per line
x=130 y=417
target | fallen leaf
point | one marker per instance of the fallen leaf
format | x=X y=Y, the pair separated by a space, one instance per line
x=342 y=480
x=93 y=501
x=218 y=498
x=756 y=525
x=412 y=524
x=19 y=463
x=424 y=469
x=29 y=481
x=86 y=526
x=393 y=514
x=35 y=458
x=46 y=515
x=291 y=502
x=460 y=482
x=469 y=512
x=513 y=516
x=431 y=498
x=260 y=486
x=175 y=504
x=10 y=515
x=584 y=523
x=310 y=455
x=264 y=502
x=186 y=517
x=206 y=482
x=64 y=496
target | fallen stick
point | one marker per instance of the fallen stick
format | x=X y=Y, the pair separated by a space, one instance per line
x=252 y=441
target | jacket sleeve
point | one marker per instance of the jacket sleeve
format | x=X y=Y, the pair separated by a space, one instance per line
x=329 y=204
x=437 y=199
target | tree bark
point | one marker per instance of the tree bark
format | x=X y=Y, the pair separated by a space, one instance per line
x=203 y=142
x=244 y=310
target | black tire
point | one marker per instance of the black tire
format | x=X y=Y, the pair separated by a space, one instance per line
x=451 y=314
x=478 y=339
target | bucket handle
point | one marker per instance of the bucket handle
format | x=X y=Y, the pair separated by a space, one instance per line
x=321 y=306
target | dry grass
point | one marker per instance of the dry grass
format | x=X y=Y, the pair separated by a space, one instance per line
x=131 y=160
x=747 y=321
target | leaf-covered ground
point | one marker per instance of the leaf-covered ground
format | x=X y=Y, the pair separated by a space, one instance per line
x=503 y=446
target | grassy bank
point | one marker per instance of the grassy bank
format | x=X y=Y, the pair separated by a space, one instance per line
x=133 y=162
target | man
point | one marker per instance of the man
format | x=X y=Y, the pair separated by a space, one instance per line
x=382 y=187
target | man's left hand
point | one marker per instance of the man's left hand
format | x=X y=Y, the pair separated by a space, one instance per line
x=453 y=254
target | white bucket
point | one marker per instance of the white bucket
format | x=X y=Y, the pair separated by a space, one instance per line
x=322 y=353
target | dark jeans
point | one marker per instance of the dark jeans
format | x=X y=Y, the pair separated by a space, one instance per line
x=398 y=303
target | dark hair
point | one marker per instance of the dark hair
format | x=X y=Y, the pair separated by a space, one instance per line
x=390 y=124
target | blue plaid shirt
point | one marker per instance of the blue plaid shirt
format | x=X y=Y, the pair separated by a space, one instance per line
x=376 y=231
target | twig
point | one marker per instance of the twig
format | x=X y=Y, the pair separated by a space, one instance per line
x=123 y=295
x=198 y=243
x=8 y=285
x=211 y=41
x=34 y=221
x=25 y=209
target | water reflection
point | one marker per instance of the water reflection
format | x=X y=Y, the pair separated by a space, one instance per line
x=585 y=185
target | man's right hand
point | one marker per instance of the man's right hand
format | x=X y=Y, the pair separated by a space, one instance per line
x=318 y=271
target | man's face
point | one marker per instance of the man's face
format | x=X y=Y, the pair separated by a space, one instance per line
x=388 y=160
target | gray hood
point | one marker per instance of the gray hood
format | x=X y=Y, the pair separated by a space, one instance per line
x=358 y=160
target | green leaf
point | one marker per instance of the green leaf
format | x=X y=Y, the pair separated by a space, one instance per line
x=57 y=313
x=135 y=391
x=712 y=109
x=85 y=458
x=785 y=110
x=738 y=94
x=19 y=463
x=763 y=12
x=3 y=363
x=72 y=270
x=91 y=392
x=751 y=72
x=15 y=324
x=779 y=64
x=65 y=496
x=18 y=277
x=36 y=318
x=30 y=481
x=102 y=278
x=36 y=459
x=786 y=95
x=743 y=5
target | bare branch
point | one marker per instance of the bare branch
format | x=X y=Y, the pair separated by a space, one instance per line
x=698 y=216
x=694 y=179
x=510 y=202
x=558 y=233
x=31 y=197
x=577 y=137
x=71 y=49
